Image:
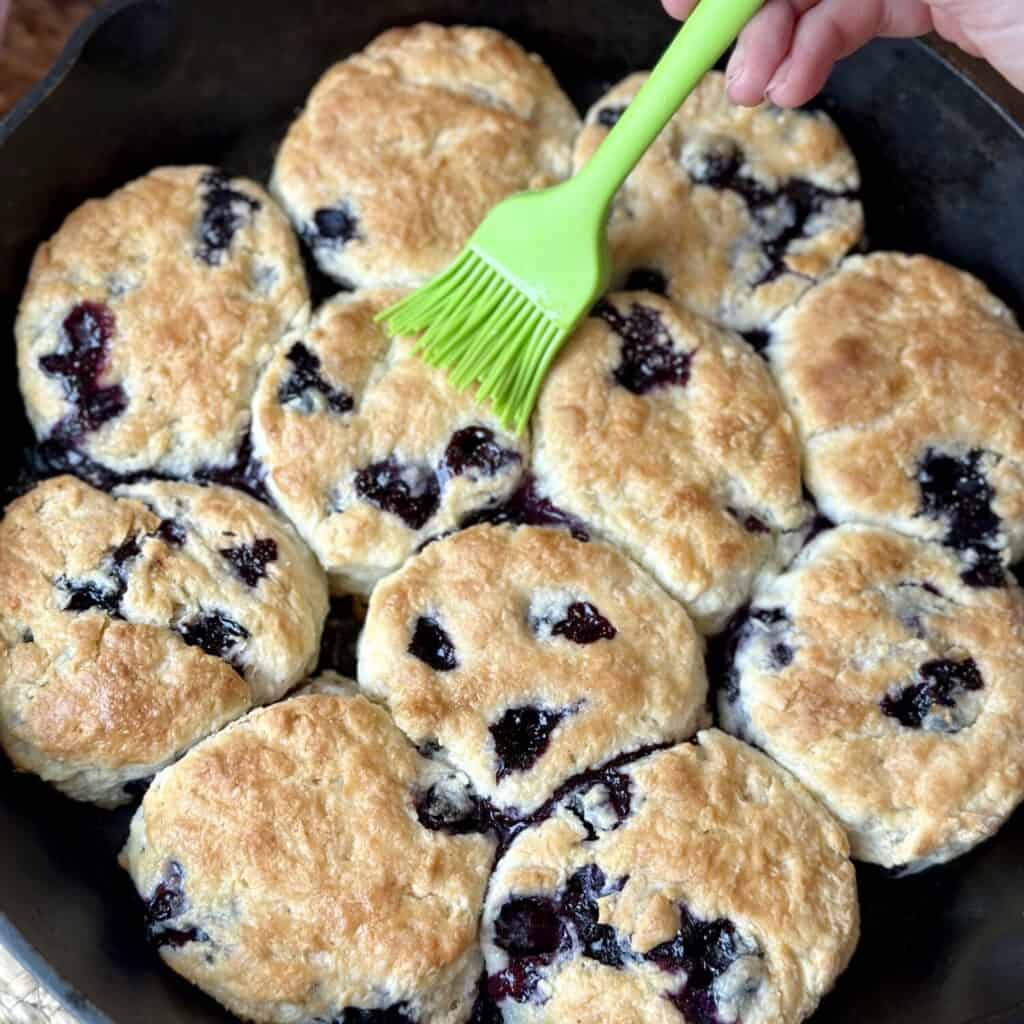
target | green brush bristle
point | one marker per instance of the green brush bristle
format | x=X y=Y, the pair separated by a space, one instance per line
x=476 y=324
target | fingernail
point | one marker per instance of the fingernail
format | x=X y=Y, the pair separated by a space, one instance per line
x=734 y=72
x=776 y=83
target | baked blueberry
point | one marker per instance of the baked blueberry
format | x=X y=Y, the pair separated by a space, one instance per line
x=648 y=359
x=226 y=211
x=741 y=210
x=527 y=506
x=651 y=427
x=400 y=902
x=896 y=371
x=136 y=637
x=888 y=685
x=147 y=318
x=79 y=363
x=250 y=561
x=376 y=132
x=432 y=645
x=369 y=451
x=686 y=904
x=528 y=657
x=305 y=381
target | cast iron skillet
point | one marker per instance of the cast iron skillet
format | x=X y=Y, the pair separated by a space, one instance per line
x=150 y=82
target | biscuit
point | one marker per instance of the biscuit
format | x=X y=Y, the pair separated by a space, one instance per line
x=403 y=148
x=285 y=873
x=369 y=451
x=734 y=211
x=904 y=377
x=523 y=657
x=133 y=625
x=892 y=689
x=147 y=318
x=666 y=436
x=717 y=890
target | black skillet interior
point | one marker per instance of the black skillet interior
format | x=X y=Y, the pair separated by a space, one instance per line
x=217 y=81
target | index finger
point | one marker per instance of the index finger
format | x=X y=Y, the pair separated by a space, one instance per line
x=679 y=8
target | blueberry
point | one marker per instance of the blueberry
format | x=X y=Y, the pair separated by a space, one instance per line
x=79 y=362
x=225 y=211
x=215 y=633
x=474 y=452
x=172 y=532
x=440 y=809
x=609 y=117
x=941 y=682
x=85 y=595
x=305 y=379
x=432 y=645
x=649 y=359
x=244 y=473
x=167 y=902
x=521 y=736
x=250 y=561
x=410 y=491
x=583 y=624
x=334 y=226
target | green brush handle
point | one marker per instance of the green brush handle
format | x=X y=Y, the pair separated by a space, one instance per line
x=706 y=35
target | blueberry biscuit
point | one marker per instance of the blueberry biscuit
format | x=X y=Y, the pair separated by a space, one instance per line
x=133 y=625
x=904 y=377
x=524 y=657
x=146 y=320
x=286 y=874
x=719 y=891
x=666 y=436
x=403 y=148
x=734 y=211
x=369 y=451
x=890 y=687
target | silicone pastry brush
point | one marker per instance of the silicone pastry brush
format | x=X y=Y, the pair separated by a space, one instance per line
x=540 y=260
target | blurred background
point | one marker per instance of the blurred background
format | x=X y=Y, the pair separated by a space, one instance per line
x=33 y=34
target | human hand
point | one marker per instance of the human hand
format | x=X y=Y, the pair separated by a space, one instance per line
x=786 y=52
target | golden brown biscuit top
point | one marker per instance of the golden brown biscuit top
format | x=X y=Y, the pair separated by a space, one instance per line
x=129 y=622
x=148 y=315
x=668 y=436
x=529 y=657
x=718 y=845
x=295 y=830
x=369 y=451
x=891 y=688
x=892 y=368
x=738 y=209
x=411 y=142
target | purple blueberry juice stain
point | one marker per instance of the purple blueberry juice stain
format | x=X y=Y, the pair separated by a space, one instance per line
x=432 y=645
x=702 y=951
x=474 y=452
x=168 y=902
x=782 y=215
x=724 y=649
x=956 y=491
x=528 y=507
x=940 y=683
x=81 y=358
x=225 y=212
x=583 y=624
x=305 y=380
x=250 y=561
x=244 y=473
x=649 y=360
x=409 y=491
x=216 y=634
x=522 y=735
x=105 y=596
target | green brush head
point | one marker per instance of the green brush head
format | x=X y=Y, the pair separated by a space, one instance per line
x=499 y=314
